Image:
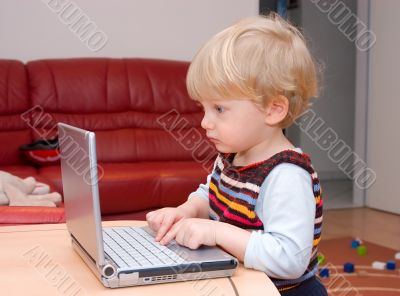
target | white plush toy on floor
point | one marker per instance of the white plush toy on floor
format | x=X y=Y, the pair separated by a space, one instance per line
x=15 y=191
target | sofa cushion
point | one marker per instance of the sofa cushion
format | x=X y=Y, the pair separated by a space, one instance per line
x=14 y=101
x=21 y=171
x=141 y=215
x=139 y=109
x=131 y=187
x=30 y=215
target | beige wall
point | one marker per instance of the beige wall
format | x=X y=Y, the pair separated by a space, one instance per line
x=172 y=29
x=383 y=138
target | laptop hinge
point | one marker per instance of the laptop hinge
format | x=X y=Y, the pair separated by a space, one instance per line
x=107 y=271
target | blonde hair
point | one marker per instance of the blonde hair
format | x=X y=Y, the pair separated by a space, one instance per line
x=257 y=58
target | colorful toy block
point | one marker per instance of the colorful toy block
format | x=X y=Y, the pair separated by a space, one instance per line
x=378 y=265
x=360 y=242
x=391 y=265
x=321 y=259
x=324 y=272
x=355 y=244
x=348 y=267
x=362 y=250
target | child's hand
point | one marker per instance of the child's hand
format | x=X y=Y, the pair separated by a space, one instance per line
x=162 y=220
x=192 y=233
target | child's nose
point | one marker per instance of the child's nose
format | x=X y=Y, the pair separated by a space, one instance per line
x=206 y=123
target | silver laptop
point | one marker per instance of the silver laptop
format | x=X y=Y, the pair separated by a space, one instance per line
x=123 y=256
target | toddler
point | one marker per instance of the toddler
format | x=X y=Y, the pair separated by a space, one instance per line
x=262 y=202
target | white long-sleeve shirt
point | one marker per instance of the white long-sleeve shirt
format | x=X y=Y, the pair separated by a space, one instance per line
x=286 y=206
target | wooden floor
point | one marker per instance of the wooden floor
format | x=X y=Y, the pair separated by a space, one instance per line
x=375 y=226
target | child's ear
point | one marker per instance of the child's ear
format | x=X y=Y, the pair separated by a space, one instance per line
x=276 y=110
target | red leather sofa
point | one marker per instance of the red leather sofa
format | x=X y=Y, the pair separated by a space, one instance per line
x=150 y=145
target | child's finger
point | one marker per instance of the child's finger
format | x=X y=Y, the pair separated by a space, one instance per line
x=171 y=234
x=148 y=218
x=165 y=226
x=154 y=221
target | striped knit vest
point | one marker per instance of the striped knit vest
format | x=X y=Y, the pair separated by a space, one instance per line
x=233 y=194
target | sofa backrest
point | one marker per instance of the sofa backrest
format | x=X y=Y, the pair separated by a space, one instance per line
x=14 y=100
x=139 y=108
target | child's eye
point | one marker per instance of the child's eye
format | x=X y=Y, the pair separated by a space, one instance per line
x=219 y=109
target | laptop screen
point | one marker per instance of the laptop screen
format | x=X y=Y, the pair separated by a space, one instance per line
x=80 y=188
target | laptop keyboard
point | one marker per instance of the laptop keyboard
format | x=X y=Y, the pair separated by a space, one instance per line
x=135 y=247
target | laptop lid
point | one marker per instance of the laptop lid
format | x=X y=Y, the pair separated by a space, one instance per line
x=80 y=187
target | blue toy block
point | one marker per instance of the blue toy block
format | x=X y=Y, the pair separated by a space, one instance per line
x=391 y=265
x=355 y=244
x=324 y=272
x=348 y=267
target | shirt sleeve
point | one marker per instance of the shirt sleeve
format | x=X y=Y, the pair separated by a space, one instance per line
x=202 y=190
x=286 y=206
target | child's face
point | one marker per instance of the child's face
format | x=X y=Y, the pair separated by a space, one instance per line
x=233 y=125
